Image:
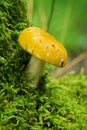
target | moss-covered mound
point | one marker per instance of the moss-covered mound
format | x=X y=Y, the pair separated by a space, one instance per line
x=12 y=58
x=62 y=106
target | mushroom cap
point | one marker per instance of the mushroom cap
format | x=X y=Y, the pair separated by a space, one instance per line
x=44 y=46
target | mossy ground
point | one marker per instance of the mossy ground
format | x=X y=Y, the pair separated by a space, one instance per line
x=61 y=105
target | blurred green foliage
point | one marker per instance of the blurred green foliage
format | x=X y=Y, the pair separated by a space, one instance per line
x=61 y=104
x=69 y=22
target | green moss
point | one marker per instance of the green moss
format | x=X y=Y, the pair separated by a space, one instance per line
x=62 y=106
x=12 y=21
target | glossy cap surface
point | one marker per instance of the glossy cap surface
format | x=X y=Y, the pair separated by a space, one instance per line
x=44 y=46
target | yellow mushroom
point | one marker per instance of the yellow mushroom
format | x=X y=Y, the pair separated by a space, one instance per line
x=44 y=48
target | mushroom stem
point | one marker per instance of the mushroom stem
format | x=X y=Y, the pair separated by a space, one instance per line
x=34 y=69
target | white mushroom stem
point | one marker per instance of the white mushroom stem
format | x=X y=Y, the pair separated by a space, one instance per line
x=33 y=70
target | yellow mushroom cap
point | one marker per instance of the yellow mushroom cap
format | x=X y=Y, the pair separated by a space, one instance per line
x=44 y=46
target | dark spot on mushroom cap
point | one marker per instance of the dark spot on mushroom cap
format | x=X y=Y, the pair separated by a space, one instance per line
x=58 y=50
x=62 y=63
x=53 y=45
x=40 y=41
x=32 y=51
